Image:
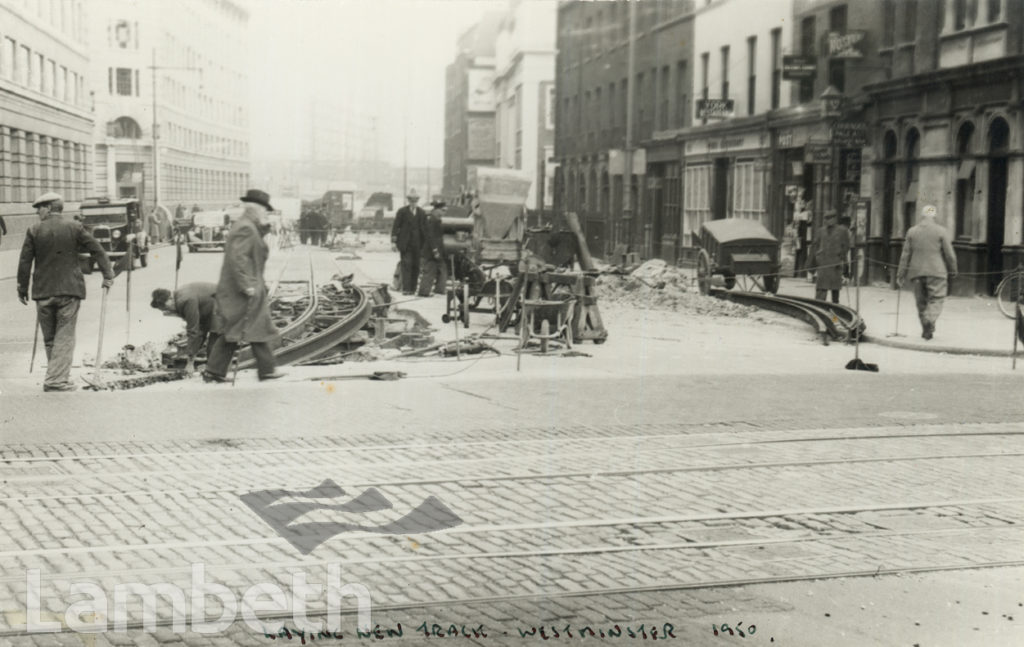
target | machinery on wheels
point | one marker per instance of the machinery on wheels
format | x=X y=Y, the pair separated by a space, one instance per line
x=737 y=249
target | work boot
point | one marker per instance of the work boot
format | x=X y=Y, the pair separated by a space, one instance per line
x=272 y=376
x=927 y=332
x=210 y=377
x=64 y=386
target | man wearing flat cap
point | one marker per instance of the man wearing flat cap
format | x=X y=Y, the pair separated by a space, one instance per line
x=927 y=260
x=58 y=287
x=193 y=302
x=829 y=257
x=405 y=239
x=242 y=306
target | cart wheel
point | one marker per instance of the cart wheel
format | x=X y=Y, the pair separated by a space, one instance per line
x=730 y=281
x=771 y=283
x=704 y=272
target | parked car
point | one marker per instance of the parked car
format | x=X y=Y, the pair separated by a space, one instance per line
x=114 y=224
x=209 y=229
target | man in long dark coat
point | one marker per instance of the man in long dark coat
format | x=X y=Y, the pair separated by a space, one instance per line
x=433 y=262
x=242 y=311
x=405 y=239
x=829 y=257
x=193 y=302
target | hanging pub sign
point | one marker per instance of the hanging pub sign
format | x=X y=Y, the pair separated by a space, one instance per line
x=715 y=108
x=799 y=68
x=848 y=45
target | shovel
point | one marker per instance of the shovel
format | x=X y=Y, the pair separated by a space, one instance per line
x=856 y=364
x=896 y=330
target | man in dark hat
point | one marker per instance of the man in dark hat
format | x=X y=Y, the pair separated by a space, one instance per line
x=58 y=287
x=829 y=256
x=193 y=302
x=433 y=264
x=242 y=310
x=405 y=239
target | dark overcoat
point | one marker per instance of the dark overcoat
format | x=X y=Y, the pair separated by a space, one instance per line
x=405 y=232
x=829 y=255
x=53 y=245
x=237 y=316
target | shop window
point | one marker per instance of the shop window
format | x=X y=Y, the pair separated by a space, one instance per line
x=965 y=180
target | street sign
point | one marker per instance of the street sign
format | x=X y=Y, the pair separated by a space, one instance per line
x=848 y=45
x=715 y=108
x=850 y=134
x=799 y=68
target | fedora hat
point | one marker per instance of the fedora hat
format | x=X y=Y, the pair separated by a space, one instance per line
x=47 y=198
x=257 y=196
x=412 y=195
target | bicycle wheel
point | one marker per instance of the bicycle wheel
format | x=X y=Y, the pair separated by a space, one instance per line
x=1007 y=294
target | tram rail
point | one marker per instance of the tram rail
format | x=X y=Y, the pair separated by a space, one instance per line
x=830 y=321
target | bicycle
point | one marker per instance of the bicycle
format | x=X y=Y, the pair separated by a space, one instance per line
x=1010 y=292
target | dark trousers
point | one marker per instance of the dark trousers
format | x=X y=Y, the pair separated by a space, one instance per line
x=433 y=275
x=222 y=350
x=58 y=317
x=410 y=270
x=821 y=294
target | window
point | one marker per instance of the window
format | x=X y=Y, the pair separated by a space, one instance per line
x=612 y=107
x=7 y=59
x=807 y=28
x=913 y=151
x=776 y=67
x=725 y=72
x=909 y=31
x=124 y=81
x=959 y=14
x=994 y=10
x=663 y=100
x=682 y=95
x=638 y=98
x=751 y=73
x=38 y=71
x=21 y=65
x=837 y=67
x=965 y=180
x=888 y=23
x=704 y=58
x=124 y=128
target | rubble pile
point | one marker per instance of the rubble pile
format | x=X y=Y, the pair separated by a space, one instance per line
x=137 y=359
x=656 y=285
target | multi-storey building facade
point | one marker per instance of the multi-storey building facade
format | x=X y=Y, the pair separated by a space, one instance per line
x=594 y=114
x=45 y=124
x=524 y=96
x=949 y=131
x=469 y=135
x=187 y=63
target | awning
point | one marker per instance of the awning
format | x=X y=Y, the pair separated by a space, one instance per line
x=966 y=169
x=911 y=194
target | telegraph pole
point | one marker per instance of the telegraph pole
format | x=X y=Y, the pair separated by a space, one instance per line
x=627 y=153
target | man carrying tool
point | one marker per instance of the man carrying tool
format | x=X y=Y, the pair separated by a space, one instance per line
x=927 y=260
x=194 y=303
x=58 y=286
x=242 y=306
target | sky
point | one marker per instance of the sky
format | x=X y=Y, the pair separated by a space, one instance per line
x=381 y=57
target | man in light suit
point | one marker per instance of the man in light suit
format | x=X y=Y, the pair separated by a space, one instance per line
x=405 y=239
x=927 y=260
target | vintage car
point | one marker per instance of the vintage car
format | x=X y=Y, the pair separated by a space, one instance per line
x=209 y=228
x=115 y=224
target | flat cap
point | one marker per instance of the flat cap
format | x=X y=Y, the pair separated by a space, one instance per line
x=47 y=198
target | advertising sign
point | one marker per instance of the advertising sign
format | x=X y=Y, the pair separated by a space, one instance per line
x=850 y=134
x=799 y=68
x=848 y=45
x=715 y=108
x=480 y=93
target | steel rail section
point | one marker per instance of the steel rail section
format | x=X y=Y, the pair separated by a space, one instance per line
x=846 y=315
x=310 y=347
x=294 y=328
x=813 y=316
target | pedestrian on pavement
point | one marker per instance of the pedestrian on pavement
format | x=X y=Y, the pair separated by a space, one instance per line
x=433 y=263
x=927 y=260
x=802 y=223
x=405 y=239
x=58 y=287
x=193 y=302
x=242 y=307
x=829 y=255
x=3 y=229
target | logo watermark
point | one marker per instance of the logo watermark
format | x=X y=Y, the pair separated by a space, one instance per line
x=95 y=612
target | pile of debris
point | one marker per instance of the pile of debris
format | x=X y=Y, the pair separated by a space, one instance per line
x=136 y=359
x=656 y=285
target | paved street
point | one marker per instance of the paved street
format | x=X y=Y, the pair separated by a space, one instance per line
x=691 y=472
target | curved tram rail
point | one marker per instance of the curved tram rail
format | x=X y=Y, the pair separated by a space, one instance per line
x=831 y=321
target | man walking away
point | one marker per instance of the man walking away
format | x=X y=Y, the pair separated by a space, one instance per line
x=405 y=239
x=193 y=302
x=242 y=310
x=58 y=287
x=927 y=260
x=829 y=256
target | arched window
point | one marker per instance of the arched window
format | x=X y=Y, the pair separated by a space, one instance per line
x=965 y=177
x=124 y=128
x=913 y=151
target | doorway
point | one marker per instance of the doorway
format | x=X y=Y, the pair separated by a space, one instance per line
x=720 y=187
x=999 y=140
